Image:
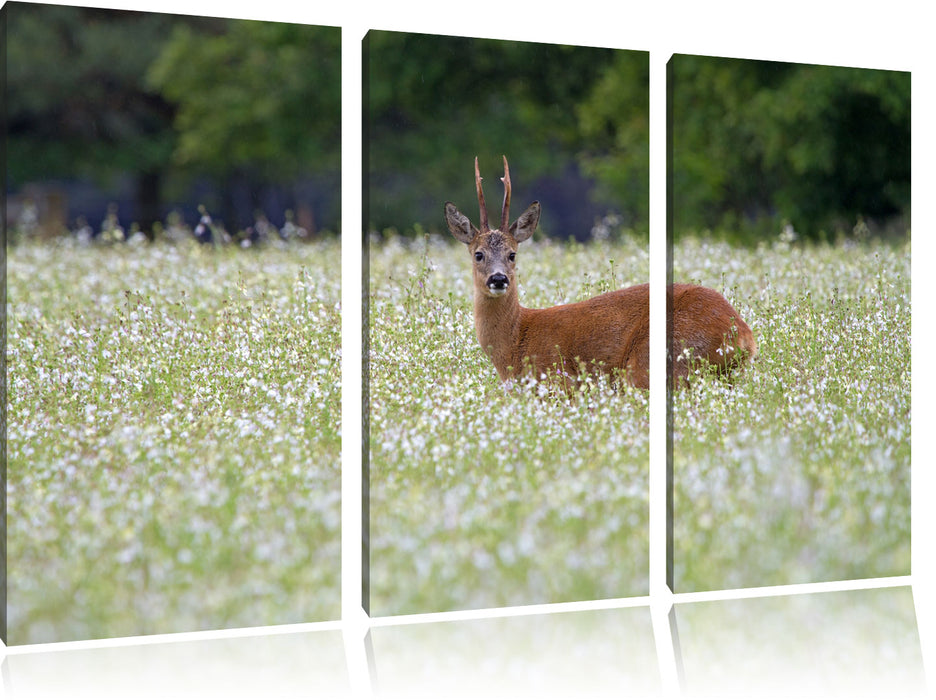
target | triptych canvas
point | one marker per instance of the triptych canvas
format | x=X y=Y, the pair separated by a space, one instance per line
x=173 y=417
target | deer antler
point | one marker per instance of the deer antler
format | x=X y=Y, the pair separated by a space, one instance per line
x=505 y=211
x=484 y=215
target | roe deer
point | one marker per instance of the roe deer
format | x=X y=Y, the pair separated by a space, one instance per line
x=605 y=333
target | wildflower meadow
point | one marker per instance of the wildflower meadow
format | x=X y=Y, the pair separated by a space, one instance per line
x=798 y=471
x=174 y=437
x=485 y=494
x=174 y=434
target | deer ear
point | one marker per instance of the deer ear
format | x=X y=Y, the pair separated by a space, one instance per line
x=459 y=225
x=525 y=225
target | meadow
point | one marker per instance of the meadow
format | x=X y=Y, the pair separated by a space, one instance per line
x=174 y=434
x=483 y=494
x=174 y=438
x=799 y=471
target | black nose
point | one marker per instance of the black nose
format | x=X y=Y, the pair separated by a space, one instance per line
x=498 y=281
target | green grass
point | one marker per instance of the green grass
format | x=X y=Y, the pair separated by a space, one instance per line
x=174 y=435
x=174 y=438
x=799 y=472
x=483 y=495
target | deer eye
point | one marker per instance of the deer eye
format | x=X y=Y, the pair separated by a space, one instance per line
x=512 y=257
x=479 y=256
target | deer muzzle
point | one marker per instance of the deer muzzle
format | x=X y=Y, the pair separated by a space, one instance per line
x=497 y=284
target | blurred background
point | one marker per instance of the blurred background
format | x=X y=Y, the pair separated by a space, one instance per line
x=760 y=148
x=122 y=121
x=572 y=121
x=130 y=120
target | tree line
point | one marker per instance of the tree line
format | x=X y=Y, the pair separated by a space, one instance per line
x=755 y=147
x=170 y=101
x=572 y=121
x=758 y=147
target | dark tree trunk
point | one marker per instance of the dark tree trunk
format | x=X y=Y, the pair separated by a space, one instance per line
x=148 y=200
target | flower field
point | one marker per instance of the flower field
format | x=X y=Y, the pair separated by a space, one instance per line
x=800 y=471
x=483 y=495
x=487 y=495
x=174 y=438
x=174 y=435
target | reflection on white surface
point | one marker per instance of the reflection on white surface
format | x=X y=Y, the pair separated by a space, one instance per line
x=851 y=644
x=294 y=665
x=591 y=654
x=860 y=643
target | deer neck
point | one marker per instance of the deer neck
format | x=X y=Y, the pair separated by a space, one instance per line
x=497 y=325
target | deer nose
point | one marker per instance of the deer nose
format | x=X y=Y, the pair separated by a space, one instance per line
x=498 y=282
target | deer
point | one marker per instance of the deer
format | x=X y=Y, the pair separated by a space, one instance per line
x=606 y=334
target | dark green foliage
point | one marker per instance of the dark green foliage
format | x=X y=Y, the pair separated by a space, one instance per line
x=758 y=145
x=102 y=95
x=614 y=126
x=572 y=121
x=76 y=105
x=261 y=94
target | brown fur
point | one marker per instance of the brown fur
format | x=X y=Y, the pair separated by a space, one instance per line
x=605 y=333
x=701 y=320
x=556 y=339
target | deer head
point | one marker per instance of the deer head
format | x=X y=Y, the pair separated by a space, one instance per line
x=493 y=250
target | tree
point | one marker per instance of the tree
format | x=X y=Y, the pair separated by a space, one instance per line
x=614 y=127
x=433 y=103
x=259 y=103
x=76 y=106
x=261 y=95
x=756 y=144
x=97 y=95
x=839 y=139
